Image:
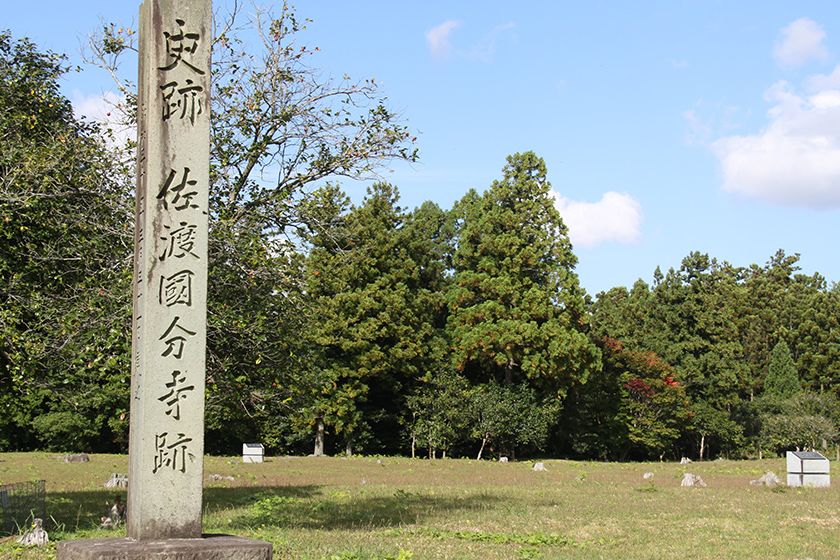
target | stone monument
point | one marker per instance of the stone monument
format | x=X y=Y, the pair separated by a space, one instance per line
x=166 y=442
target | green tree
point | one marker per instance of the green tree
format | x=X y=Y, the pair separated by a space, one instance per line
x=439 y=418
x=507 y=417
x=713 y=426
x=782 y=379
x=65 y=265
x=375 y=314
x=516 y=311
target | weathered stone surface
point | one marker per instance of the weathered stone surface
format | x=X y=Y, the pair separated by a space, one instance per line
x=36 y=536
x=503 y=459
x=77 y=458
x=220 y=547
x=540 y=467
x=690 y=480
x=648 y=476
x=166 y=436
x=220 y=477
x=767 y=479
x=117 y=480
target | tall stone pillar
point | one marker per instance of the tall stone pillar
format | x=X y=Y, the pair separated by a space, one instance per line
x=166 y=443
x=166 y=440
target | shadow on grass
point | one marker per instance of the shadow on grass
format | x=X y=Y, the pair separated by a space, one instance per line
x=342 y=511
x=73 y=511
x=306 y=507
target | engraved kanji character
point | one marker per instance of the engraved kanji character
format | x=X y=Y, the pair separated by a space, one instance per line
x=179 y=241
x=176 y=289
x=173 y=455
x=173 y=193
x=172 y=399
x=179 y=44
x=187 y=100
x=174 y=340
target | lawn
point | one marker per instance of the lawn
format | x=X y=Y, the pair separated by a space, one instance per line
x=397 y=508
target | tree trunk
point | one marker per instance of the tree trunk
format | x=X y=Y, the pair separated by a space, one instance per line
x=319 y=438
x=702 y=445
x=443 y=454
x=348 y=448
x=480 y=451
x=413 y=446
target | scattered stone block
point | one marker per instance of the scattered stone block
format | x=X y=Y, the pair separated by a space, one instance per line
x=648 y=476
x=692 y=481
x=221 y=547
x=540 y=467
x=116 y=515
x=220 y=477
x=117 y=480
x=77 y=458
x=36 y=536
x=503 y=459
x=685 y=461
x=768 y=479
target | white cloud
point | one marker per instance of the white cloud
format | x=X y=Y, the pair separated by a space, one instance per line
x=795 y=160
x=801 y=41
x=486 y=48
x=825 y=81
x=699 y=130
x=616 y=217
x=107 y=110
x=437 y=38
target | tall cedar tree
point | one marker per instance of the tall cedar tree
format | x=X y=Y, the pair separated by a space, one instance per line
x=782 y=379
x=516 y=308
x=374 y=321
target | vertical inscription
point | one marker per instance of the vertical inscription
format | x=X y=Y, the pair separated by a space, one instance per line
x=167 y=417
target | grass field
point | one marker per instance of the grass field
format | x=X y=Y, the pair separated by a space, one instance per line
x=396 y=508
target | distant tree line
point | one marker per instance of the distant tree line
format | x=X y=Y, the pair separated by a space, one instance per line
x=337 y=328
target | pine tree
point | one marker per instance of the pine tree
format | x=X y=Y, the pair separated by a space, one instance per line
x=516 y=309
x=375 y=309
x=782 y=379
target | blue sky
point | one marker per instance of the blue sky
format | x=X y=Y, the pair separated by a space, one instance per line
x=667 y=127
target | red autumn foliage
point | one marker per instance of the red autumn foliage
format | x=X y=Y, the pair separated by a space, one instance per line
x=639 y=389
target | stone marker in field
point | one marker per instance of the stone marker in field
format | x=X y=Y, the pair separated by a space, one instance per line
x=36 y=535
x=690 y=480
x=117 y=480
x=253 y=452
x=166 y=442
x=767 y=479
x=77 y=458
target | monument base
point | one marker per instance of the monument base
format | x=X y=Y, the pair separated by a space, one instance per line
x=210 y=547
